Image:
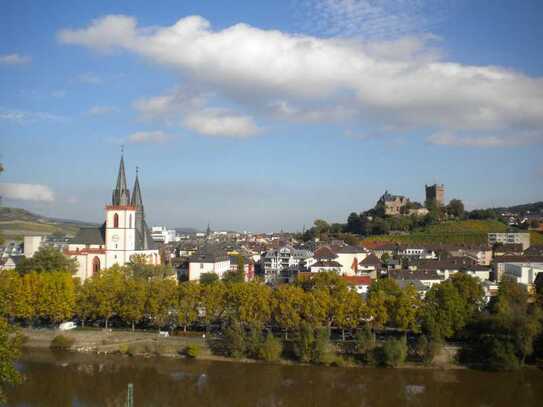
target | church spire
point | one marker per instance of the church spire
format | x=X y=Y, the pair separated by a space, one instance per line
x=121 y=194
x=136 y=193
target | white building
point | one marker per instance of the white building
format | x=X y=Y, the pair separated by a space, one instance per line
x=523 y=273
x=161 y=234
x=284 y=258
x=123 y=234
x=208 y=260
x=510 y=238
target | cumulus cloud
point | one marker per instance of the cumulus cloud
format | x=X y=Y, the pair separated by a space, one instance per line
x=14 y=59
x=402 y=83
x=152 y=137
x=100 y=110
x=26 y=192
x=189 y=108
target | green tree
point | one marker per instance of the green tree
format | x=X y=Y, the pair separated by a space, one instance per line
x=249 y=303
x=161 y=304
x=188 y=303
x=287 y=304
x=394 y=352
x=233 y=340
x=10 y=345
x=271 y=349
x=47 y=259
x=365 y=343
x=405 y=313
x=208 y=278
x=304 y=342
x=139 y=268
x=213 y=297
x=132 y=299
x=455 y=208
x=106 y=288
x=56 y=296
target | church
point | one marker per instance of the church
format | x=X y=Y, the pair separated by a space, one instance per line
x=123 y=234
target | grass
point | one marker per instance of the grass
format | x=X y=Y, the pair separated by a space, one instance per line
x=21 y=228
x=451 y=232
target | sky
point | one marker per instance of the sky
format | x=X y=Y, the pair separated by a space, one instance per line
x=264 y=116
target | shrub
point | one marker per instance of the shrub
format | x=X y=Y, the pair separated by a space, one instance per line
x=365 y=344
x=271 y=349
x=303 y=342
x=394 y=352
x=62 y=342
x=192 y=351
x=427 y=349
x=123 y=348
x=253 y=342
x=323 y=352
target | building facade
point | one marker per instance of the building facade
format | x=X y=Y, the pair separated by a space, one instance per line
x=435 y=193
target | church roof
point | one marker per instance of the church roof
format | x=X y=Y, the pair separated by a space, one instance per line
x=121 y=194
x=136 y=194
x=93 y=235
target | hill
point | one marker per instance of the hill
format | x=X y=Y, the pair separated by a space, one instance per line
x=16 y=222
x=452 y=232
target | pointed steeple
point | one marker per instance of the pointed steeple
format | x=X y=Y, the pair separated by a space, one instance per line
x=121 y=194
x=136 y=193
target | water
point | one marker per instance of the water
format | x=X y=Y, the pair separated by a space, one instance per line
x=89 y=380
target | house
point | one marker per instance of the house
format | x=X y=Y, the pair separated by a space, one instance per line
x=348 y=257
x=508 y=249
x=360 y=284
x=325 y=265
x=9 y=263
x=283 y=258
x=208 y=259
x=370 y=265
x=421 y=288
x=248 y=266
x=522 y=238
x=483 y=254
x=421 y=252
x=382 y=248
x=426 y=277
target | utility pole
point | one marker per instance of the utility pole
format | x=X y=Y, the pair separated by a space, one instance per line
x=130 y=396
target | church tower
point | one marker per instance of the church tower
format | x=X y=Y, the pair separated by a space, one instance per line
x=143 y=238
x=120 y=222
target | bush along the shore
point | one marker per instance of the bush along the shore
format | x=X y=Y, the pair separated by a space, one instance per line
x=237 y=315
x=192 y=351
x=62 y=342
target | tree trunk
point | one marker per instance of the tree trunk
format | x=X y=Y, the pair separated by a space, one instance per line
x=133 y=328
x=106 y=322
x=343 y=334
x=185 y=328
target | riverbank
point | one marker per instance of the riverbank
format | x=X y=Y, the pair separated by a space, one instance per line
x=150 y=344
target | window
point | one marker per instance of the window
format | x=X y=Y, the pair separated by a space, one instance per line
x=95 y=266
x=116 y=220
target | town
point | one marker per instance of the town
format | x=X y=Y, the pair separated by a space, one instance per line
x=381 y=283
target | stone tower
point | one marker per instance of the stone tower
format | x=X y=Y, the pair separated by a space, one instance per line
x=435 y=193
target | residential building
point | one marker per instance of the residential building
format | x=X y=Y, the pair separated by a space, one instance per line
x=360 y=284
x=284 y=258
x=248 y=266
x=370 y=265
x=123 y=235
x=510 y=237
x=523 y=273
x=426 y=277
x=208 y=259
x=500 y=262
x=161 y=234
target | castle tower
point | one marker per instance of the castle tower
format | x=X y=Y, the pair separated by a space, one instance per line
x=435 y=193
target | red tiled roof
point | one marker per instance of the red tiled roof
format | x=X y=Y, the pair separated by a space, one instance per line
x=357 y=280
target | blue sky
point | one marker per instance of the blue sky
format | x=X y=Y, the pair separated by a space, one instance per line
x=265 y=116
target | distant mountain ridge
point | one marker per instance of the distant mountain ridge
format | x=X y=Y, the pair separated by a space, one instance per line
x=17 y=222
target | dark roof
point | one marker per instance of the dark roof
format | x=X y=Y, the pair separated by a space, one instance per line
x=415 y=275
x=518 y=259
x=349 y=249
x=415 y=283
x=94 y=236
x=371 y=260
x=208 y=254
x=324 y=252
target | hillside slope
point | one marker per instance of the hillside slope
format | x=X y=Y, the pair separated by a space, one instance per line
x=16 y=222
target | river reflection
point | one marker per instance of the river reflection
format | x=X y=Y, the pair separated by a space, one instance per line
x=89 y=380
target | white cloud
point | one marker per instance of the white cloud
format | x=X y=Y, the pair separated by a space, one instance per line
x=100 y=110
x=403 y=83
x=148 y=137
x=14 y=59
x=26 y=192
x=25 y=117
x=485 y=141
x=189 y=108
x=218 y=122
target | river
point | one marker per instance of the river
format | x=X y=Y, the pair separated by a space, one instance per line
x=72 y=379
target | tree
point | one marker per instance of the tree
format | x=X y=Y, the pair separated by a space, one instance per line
x=47 y=259
x=233 y=341
x=208 y=278
x=139 y=268
x=56 y=296
x=10 y=345
x=249 y=303
x=349 y=311
x=271 y=349
x=287 y=303
x=106 y=288
x=161 y=304
x=321 y=227
x=455 y=208
x=303 y=342
x=471 y=291
x=213 y=301
x=394 y=352
x=406 y=309
x=365 y=342
x=354 y=224
x=132 y=301
x=382 y=297
x=188 y=303
x=444 y=312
